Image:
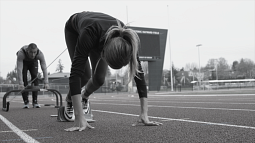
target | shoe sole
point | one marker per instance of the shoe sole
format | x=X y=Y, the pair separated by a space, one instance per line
x=26 y=107
x=37 y=107
x=64 y=117
x=67 y=116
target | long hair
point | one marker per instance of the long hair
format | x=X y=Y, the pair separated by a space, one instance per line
x=121 y=49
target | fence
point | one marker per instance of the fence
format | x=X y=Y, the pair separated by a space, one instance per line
x=64 y=88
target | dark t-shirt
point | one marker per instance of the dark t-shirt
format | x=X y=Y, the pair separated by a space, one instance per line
x=91 y=28
x=23 y=49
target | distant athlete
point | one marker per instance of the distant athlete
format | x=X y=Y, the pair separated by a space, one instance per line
x=27 y=60
x=106 y=41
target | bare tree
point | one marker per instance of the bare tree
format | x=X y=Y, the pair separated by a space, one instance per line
x=190 y=66
x=245 y=68
x=220 y=67
x=211 y=64
x=60 y=66
x=223 y=68
x=12 y=76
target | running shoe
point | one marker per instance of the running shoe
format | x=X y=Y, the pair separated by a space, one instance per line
x=85 y=106
x=82 y=91
x=69 y=112
x=36 y=105
x=26 y=106
x=87 y=110
x=85 y=102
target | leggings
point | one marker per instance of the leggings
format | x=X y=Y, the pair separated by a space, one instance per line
x=32 y=67
x=91 y=80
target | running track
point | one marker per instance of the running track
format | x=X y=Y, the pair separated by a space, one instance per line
x=186 y=118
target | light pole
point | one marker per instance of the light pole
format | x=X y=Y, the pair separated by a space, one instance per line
x=171 y=67
x=199 y=64
x=216 y=66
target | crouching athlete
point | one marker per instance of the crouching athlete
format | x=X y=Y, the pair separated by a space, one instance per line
x=107 y=42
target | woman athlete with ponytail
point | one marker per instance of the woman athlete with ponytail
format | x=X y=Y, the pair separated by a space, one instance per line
x=106 y=41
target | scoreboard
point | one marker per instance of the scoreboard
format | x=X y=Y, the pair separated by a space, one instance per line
x=153 y=45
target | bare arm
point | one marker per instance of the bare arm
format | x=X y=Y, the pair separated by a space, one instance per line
x=20 y=58
x=142 y=91
x=143 y=118
x=43 y=67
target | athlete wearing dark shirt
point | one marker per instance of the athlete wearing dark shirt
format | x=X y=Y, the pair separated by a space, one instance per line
x=103 y=39
x=91 y=26
x=27 y=60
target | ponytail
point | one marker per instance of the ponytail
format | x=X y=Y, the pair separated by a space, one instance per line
x=121 y=48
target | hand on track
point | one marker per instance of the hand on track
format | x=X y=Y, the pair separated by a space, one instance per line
x=80 y=124
x=145 y=120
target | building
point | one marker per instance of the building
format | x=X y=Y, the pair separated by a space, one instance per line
x=59 y=78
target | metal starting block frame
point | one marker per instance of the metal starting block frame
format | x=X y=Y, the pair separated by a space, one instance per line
x=6 y=105
x=59 y=103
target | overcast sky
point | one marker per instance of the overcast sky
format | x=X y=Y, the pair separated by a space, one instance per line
x=225 y=28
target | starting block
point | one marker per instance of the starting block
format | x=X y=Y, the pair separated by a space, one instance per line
x=64 y=117
x=30 y=89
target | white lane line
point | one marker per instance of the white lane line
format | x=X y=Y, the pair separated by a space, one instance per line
x=16 y=130
x=224 y=103
x=234 y=103
x=203 y=108
x=215 y=94
x=21 y=130
x=180 y=120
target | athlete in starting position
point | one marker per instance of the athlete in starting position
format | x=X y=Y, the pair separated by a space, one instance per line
x=106 y=41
